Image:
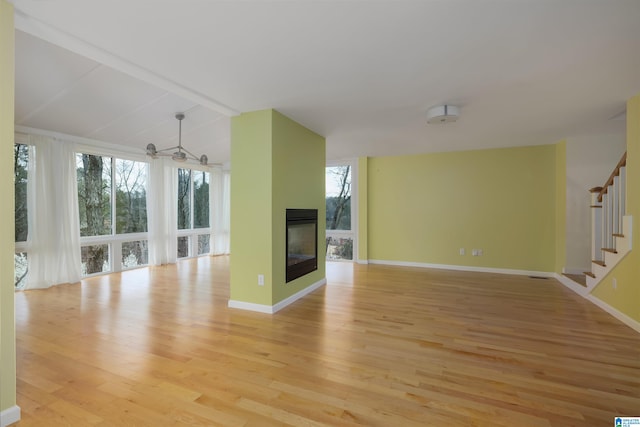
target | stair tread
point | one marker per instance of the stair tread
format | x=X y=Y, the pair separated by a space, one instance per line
x=600 y=263
x=580 y=279
x=590 y=274
x=612 y=250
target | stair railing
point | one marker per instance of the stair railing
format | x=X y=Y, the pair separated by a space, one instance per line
x=608 y=208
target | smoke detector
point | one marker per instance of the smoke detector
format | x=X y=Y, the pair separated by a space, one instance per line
x=443 y=114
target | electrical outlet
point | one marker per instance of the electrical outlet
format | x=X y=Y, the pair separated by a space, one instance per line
x=614 y=283
x=479 y=252
x=474 y=252
x=461 y=251
x=260 y=279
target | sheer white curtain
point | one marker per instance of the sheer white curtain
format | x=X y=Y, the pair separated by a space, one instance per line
x=53 y=243
x=162 y=212
x=219 y=210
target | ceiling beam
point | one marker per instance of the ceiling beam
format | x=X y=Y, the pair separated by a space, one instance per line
x=40 y=29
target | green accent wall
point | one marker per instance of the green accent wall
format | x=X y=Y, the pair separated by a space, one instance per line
x=299 y=162
x=251 y=207
x=277 y=164
x=424 y=208
x=7 y=317
x=626 y=296
x=561 y=207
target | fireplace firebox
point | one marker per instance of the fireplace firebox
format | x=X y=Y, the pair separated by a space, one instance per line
x=302 y=242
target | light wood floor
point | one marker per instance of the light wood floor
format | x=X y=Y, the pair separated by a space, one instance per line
x=378 y=346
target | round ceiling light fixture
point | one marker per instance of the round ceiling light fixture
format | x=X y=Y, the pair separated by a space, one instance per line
x=442 y=114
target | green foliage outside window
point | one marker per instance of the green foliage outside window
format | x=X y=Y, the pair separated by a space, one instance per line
x=20 y=166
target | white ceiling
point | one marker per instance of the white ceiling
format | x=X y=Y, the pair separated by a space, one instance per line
x=60 y=91
x=361 y=73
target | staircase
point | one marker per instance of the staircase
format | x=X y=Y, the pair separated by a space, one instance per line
x=611 y=229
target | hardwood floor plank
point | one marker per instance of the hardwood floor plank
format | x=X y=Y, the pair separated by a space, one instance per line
x=377 y=346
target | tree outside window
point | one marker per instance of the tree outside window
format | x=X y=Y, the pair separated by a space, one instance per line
x=338 y=197
x=94 y=194
x=20 y=168
x=94 y=204
x=339 y=243
x=193 y=210
x=200 y=199
x=131 y=196
x=184 y=199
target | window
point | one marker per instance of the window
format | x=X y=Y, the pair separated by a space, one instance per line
x=20 y=164
x=200 y=199
x=203 y=244
x=95 y=259
x=94 y=194
x=112 y=206
x=338 y=198
x=340 y=230
x=193 y=213
x=184 y=199
x=131 y=196
x=20 y=168
x=20 y=269
x=135 y=254
x=183 y=246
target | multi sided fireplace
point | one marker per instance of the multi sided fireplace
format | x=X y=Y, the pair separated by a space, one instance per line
x=302 y=242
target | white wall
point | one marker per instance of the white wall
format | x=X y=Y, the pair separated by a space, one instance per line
x=590 y=161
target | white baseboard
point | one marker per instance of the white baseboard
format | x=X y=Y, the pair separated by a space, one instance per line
x=363 y=261
x=584 y=292
x=463 y=268
x=9 y=416
x=293 y=298
x=271 y=309
x=632 y=323
x=249 y=306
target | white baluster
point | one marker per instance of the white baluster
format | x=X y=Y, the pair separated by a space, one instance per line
x=611 y=219
x=623 y=193
x=596 y=227
x=605 y=220
x=615 y=209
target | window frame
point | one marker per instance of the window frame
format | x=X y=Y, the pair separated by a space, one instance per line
x=353 y=232
x=114 y=241
x=21 y=246
x=193 y=233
